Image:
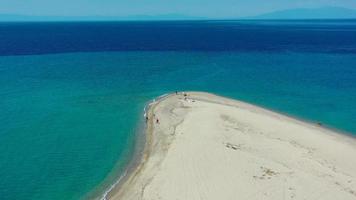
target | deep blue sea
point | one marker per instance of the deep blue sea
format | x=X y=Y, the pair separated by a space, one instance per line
x=72 y=94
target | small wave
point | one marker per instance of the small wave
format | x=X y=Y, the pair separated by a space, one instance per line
x=152 y=102
x=162 y=96
x=104 y=196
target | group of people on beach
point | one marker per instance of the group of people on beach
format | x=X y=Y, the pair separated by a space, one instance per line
x=154 y=116
x=184 y=94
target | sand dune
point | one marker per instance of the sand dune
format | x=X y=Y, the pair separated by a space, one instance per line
x=213 y=148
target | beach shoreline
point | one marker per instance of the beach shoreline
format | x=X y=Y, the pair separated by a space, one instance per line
x=138 y=155
x=132 y=182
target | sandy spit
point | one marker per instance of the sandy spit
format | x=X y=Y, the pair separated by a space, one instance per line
x=207 y=147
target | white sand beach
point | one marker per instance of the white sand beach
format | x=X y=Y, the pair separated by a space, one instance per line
x=213 y=148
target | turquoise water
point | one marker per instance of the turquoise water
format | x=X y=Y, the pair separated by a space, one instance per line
x=68 y=120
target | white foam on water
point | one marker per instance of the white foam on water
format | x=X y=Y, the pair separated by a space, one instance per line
x=103 y=197
x=105 y=194
x=112 y=186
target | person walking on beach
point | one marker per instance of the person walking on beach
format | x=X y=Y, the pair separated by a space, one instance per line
x=176 y=92
x=157 y=121
x=146 y=119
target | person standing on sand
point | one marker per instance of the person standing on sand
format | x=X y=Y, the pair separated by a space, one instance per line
x=157 y=121
x=176 y=92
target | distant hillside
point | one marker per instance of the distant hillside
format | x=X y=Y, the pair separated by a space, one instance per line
x=301 y=13
x=25 y=18
x=311 y=13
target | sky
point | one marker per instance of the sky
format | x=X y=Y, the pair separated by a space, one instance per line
x=199 y=8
